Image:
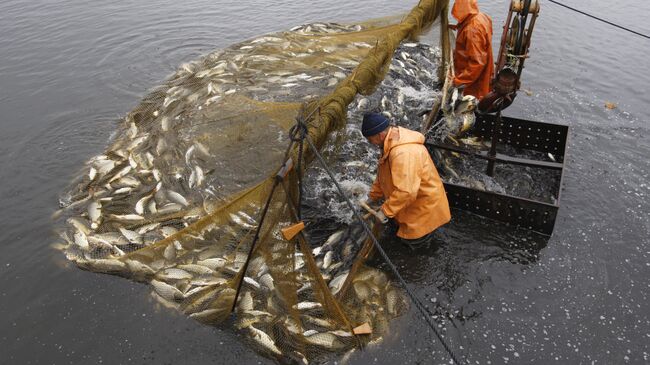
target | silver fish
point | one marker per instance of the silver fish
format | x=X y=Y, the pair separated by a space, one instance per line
x=214 y=263
x=106 y=265
x=81 y=240
x=132 y=236
x=177 y=198
x=139 y=206
x=127 y=217
x=326 y=340
x=264 y=340
x=95 y=213
x=250 y=281
x=307 y=305
x=337 y=283
x=167 y=291
x=327 y=260
x=197 y=269
x=174 y=274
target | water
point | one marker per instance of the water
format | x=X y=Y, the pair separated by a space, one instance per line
x=69 y=69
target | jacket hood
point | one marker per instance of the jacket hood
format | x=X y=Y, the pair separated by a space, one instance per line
x=464 y=8
x=400 y=136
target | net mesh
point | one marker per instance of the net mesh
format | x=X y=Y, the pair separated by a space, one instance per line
x=176 y=199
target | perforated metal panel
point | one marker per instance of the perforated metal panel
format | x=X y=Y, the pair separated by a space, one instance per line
x=521 y=134
x=527 y=134
x=529 y=214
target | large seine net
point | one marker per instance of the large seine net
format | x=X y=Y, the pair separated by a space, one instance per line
x=176 y=199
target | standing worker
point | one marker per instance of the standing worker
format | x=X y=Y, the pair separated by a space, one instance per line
x=407 y=179
x=473 y=63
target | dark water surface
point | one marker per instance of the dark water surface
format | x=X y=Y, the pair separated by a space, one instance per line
x=70 y=69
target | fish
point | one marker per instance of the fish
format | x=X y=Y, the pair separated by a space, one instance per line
x=167 y=291
x=307 y=305
x=341 y=333
x=174 y=274
x=105 y=265
x=337 y=283
x=211 y=315
x=309 y=333
x=267 y=281
x=334 y=238
x=124 y=190
x=164 y=124
x=139 y=206
x=362 y=290
x=213 y=263
x=79 y=224
x=245 y=302
x=169 y=208
x=264 y=340
x=177 y=198
x=197 y=269
x=103 y=166
x=209 y=281
x=161 y=146
x=127 y=217
x=200 y=300
x=92 y=173
x=139 y=269
x=327 y=260
x=258 y=313
x=240 y=222
x=170 y=252
x=363 y=104
x=392 y=300
x=148 y=228
x=250 y=281
x=132 y=236
x=81 y=240
x=326 y=340
x=320 y=322
x=168 y=231
x=120 y=174
x=95 y=213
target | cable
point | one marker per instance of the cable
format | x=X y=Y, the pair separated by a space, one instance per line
x=381 y=251
x=597 y=18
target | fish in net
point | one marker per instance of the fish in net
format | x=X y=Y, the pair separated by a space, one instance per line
x=176 y=199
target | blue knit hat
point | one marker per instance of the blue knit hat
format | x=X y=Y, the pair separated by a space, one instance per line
x=373 y=123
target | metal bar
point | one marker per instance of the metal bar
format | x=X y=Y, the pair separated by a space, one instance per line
x=496 y=128
x=499 y=157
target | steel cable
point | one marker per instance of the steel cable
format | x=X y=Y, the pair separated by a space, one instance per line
x=600 y=19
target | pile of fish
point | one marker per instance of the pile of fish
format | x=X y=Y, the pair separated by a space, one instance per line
x=138 y=210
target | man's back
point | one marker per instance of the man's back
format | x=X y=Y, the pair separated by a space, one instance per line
x=473 y=61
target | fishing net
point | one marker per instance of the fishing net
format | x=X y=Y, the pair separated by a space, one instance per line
x=185 y=197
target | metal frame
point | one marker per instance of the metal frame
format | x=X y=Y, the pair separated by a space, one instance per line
x=521 y=134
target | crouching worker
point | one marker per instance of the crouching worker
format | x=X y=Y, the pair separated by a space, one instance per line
x=407 y=180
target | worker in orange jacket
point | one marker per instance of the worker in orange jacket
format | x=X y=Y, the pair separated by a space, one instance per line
x=407 y=179
x=473 y=63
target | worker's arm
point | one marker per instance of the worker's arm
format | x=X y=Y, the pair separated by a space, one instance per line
x=405 y=171
x=476 y=54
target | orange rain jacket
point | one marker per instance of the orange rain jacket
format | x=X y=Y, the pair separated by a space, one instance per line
x=473 y=63
x=408 y=180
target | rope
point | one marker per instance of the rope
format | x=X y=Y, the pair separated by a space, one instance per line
x=602 y=20
x=381 y=251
